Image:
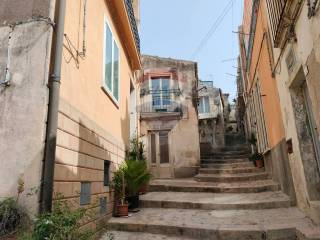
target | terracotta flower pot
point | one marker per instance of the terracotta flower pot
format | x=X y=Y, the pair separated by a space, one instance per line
x=122 y=210
x=259 y=163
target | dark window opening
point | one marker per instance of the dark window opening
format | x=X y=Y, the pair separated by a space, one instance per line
x=106 y=175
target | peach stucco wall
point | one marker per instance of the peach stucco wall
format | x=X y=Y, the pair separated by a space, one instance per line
x=92 y=128
x=81 y=85
x=261 y=68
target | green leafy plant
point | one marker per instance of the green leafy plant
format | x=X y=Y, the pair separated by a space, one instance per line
x=118 y=184
x=136 y=175
x=136 y=150
x=62 y=223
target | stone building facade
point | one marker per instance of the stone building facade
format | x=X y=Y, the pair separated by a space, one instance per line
x=100 y=55
x=211 y=117
x=280 y=70
x=168 y=120
x=296 y=68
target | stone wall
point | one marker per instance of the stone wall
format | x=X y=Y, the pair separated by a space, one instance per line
x=277 y=164
x=82 y=148
x=25 y=47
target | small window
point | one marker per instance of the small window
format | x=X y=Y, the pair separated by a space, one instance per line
x=103 y=205
x=160 y=89
x=111 y=64
x=204 y=105
x=106 y=176
x=85 y=194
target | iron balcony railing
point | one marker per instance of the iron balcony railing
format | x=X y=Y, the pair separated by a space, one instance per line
x=157 y=101
x=276 y=10
x=133 y=23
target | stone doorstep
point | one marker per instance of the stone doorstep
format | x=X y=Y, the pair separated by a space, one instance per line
x=237 y=177
x=276 y=224
x=212 y=201
x=195 y=186
x=227 y=165
x=231 y=170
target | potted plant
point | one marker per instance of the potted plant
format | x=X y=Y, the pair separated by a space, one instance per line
x=136 y=153
x=257 y=158
x=136 y=175
x=118 y=184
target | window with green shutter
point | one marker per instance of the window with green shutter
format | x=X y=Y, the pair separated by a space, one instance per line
x=111 y=64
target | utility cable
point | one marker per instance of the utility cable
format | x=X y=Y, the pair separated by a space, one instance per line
x=213 y=28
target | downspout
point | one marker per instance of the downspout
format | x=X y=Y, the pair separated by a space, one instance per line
x=52 y=122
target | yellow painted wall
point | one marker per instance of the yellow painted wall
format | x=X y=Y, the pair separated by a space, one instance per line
x=261 y=68
x=81 y=80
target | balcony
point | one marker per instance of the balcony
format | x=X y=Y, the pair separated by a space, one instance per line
x=133 y=23
x=161 y=104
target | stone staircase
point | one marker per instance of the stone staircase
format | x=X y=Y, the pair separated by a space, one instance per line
x=230 y=199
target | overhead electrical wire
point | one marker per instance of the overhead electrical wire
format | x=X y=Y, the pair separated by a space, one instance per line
x=213 y=28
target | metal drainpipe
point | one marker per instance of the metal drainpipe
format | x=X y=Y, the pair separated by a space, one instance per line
x=52 y=121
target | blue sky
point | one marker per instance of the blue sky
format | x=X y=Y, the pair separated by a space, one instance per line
x=175 y=28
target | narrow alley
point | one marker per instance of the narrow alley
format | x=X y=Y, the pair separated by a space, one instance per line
x=159 y=119
x=230 y=199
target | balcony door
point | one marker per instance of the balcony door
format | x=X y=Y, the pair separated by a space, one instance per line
x=159 y=154
x=160 y=90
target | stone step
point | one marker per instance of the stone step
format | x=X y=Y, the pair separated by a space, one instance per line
x=275 y=224
x=238 y=177
x=217 y=156
x=217 y=160
x=229 y=152
x=231 y=170
x=117 y=235
x=215 y=201
x=234 y=148
x=227 y=165
x=191 y=185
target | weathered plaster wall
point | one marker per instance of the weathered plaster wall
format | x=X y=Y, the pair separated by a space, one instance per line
x=184 y=135
x=211 y=125
x=289 y=82
x=23 y=104
x=20 y=10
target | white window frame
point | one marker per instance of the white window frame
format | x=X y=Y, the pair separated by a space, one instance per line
x=108 y=91
x=202 y=99
x=161 y=98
